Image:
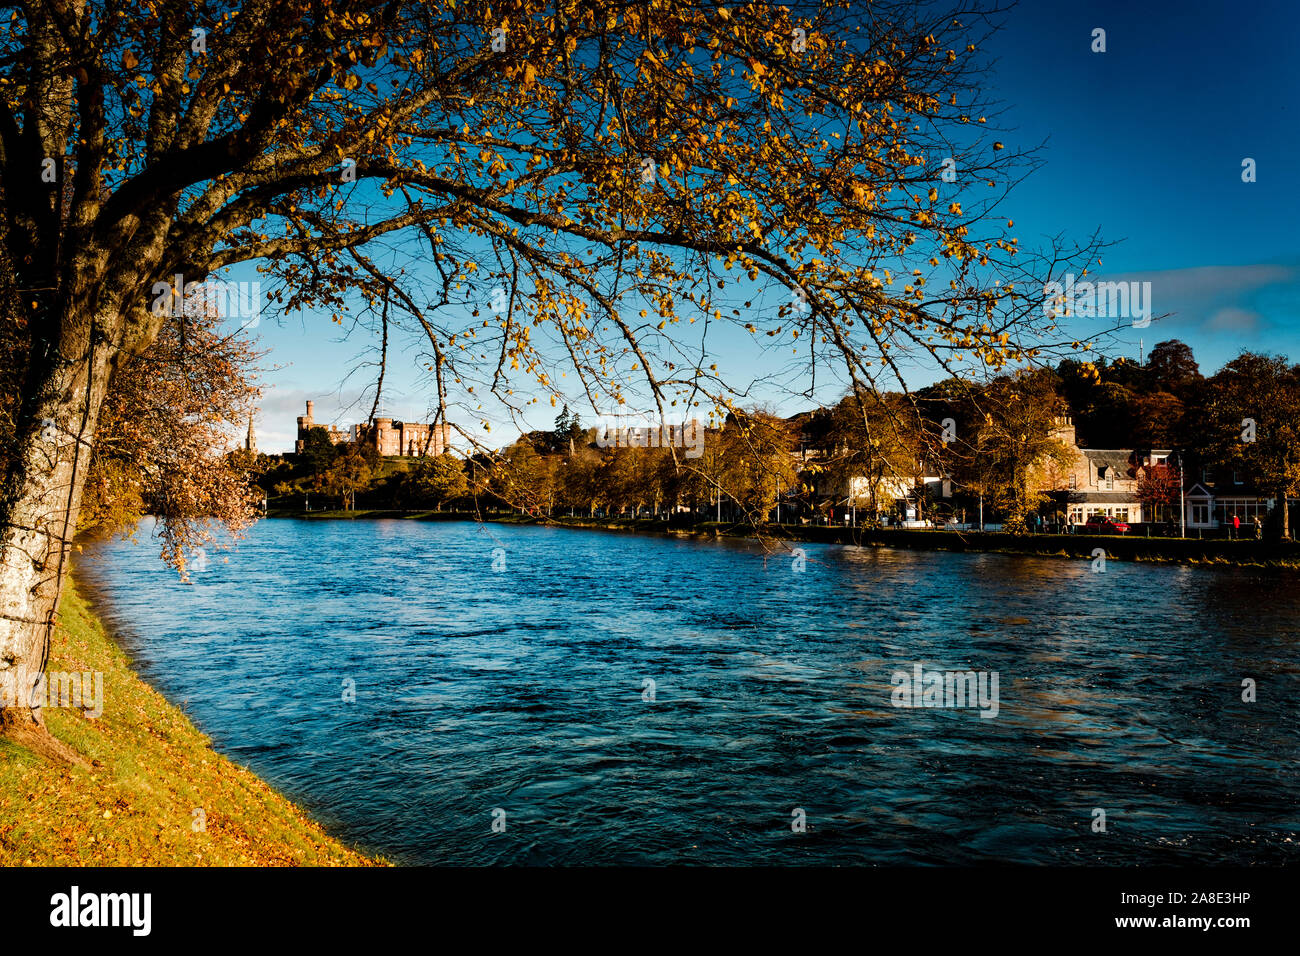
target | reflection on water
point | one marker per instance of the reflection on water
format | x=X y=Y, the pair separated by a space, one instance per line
x=524 y=690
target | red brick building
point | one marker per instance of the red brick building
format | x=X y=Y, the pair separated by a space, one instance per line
x=388 y=437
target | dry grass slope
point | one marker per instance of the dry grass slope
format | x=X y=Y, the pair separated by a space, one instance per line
x=147 y=769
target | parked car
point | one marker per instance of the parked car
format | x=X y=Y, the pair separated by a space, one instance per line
x=1099 y=524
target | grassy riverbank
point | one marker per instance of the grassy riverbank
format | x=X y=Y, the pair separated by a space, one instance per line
x=148 y=769
x=1207 y=551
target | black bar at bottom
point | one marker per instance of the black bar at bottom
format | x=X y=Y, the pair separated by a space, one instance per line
x=613 y=907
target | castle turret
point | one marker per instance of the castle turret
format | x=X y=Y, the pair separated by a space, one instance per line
x=305 y=424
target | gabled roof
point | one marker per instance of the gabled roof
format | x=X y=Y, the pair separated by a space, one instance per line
x=1118 y=458
x=1229 y=491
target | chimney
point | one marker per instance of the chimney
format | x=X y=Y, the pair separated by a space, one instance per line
x=1063 y=430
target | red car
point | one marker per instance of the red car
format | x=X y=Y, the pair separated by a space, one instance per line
x=1099 y=524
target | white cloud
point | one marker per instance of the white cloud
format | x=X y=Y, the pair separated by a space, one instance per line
x=1233 y=319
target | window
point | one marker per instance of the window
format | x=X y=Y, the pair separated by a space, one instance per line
x=1245 y=509
x=1236 y=478
x=1200 y=514
x=1110 y=479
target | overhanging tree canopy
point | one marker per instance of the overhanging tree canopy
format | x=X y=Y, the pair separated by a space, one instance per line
x=609 y=182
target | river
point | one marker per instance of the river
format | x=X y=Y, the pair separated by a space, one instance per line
x=455 y=693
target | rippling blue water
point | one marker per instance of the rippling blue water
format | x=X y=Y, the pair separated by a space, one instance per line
x=523 y=690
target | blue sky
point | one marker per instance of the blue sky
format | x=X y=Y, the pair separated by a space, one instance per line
x=1143 y=142
x=1146 y=142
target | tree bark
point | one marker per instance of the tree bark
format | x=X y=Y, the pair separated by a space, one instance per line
x=39 y=503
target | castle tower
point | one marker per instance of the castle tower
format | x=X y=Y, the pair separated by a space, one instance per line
x=305 y=424
x=386 y=442
x=250 y=443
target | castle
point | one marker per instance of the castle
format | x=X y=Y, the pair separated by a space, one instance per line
x=387 y=437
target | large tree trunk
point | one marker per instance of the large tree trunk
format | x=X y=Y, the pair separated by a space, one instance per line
x=39 y=502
